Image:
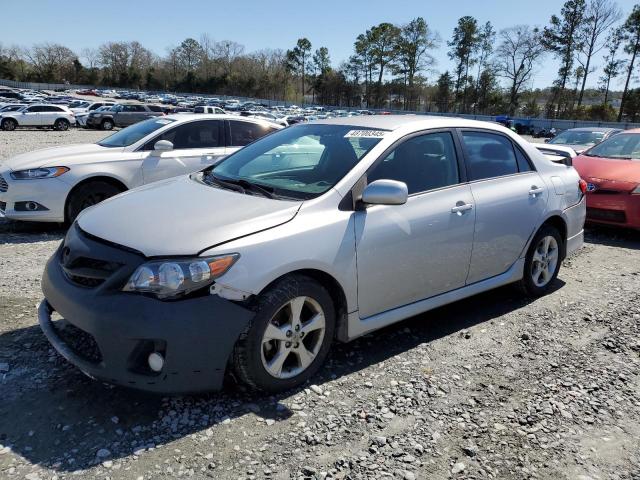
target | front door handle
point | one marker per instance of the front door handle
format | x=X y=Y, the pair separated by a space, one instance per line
x=535 y=190
x=460 y=208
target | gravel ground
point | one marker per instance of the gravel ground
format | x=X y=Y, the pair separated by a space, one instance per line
x=495 y=386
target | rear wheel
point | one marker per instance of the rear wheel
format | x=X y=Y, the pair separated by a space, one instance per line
x=88 y=195
x=289 y=338
x=542 y=263
x=9 y=124
x=61 y=125
x=107 y=124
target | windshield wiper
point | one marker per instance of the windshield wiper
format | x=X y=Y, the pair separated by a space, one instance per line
x=210 y=177
x=247 y=185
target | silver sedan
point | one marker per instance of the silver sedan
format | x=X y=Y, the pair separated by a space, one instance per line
x=318 y=232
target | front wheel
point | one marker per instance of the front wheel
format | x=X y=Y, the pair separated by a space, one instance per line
x=9 y=124
x=542 y=263
x=289 y=338
x=88 y=195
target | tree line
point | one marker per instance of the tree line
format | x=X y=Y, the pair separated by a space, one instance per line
x=391 y=67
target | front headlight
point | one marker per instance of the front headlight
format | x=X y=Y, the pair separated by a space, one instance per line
x=173 y=278
x=35 y=173
x=636 y=191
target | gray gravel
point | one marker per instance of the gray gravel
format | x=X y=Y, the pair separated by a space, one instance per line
x=27 y=140
x=495 y=386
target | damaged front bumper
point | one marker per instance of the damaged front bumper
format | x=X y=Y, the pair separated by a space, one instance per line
x=109 y=334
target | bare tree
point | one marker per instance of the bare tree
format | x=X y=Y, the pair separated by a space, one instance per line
x=91 y=57
x=600 y=15
x=208 y=54
x=517 y=54
x=52 y=61
x=228 y=51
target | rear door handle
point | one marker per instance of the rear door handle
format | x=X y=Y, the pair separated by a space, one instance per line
x=460 y=209
x=535 y=190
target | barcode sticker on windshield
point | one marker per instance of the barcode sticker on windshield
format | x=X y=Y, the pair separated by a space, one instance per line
x=365 y=134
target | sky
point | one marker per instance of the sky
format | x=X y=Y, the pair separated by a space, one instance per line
x=258 y=24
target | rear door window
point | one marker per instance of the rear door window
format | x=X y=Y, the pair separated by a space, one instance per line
x=243 y=133
x=490 y=155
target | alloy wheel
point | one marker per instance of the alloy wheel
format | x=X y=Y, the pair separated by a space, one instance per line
x=545 y=261
x=293 y=338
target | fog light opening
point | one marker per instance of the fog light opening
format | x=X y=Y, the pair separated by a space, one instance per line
x=32 y=206
x=156 y=361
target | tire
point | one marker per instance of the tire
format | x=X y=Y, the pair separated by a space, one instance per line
x=88 y=195
x=254 y=351
x=107 y=124
x=542 y=262
x=61 y=125
x=9 y=124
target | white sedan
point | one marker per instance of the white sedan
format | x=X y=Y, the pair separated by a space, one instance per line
x=56 y=184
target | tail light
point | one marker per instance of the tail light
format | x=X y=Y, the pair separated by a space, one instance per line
x=583 y=186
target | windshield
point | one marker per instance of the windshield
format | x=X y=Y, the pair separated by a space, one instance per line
x=302 y=161
x=130 y=135
x=626 y=146
x=578 y=137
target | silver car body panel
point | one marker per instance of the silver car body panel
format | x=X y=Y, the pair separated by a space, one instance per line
x=170 y=230
x=507 y=215
x=413 y=242
x=391 y=262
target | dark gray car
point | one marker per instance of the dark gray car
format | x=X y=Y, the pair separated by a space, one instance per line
x=122 y=115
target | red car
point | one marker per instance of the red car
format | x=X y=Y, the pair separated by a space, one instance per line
x=612 y=172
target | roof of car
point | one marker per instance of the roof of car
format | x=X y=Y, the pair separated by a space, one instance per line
x=392 y=122
x=222 y=116
x=592 y=129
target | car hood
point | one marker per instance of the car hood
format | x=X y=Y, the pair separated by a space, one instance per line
x=181 y=216
x=616 y=170
x=58 y=156
x=577 y=148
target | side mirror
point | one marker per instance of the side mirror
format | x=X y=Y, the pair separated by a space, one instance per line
x=546 y=140
x=385 y=192
x=163 y=146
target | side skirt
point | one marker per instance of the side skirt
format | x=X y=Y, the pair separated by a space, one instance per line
x=358 y=327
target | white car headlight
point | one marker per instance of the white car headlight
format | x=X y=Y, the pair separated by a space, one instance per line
x=35 y=173
x=173 y=278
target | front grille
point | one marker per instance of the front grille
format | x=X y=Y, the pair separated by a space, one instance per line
x=617 y=216
x=80 y=342
x=87 y=272
x=4 y=186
